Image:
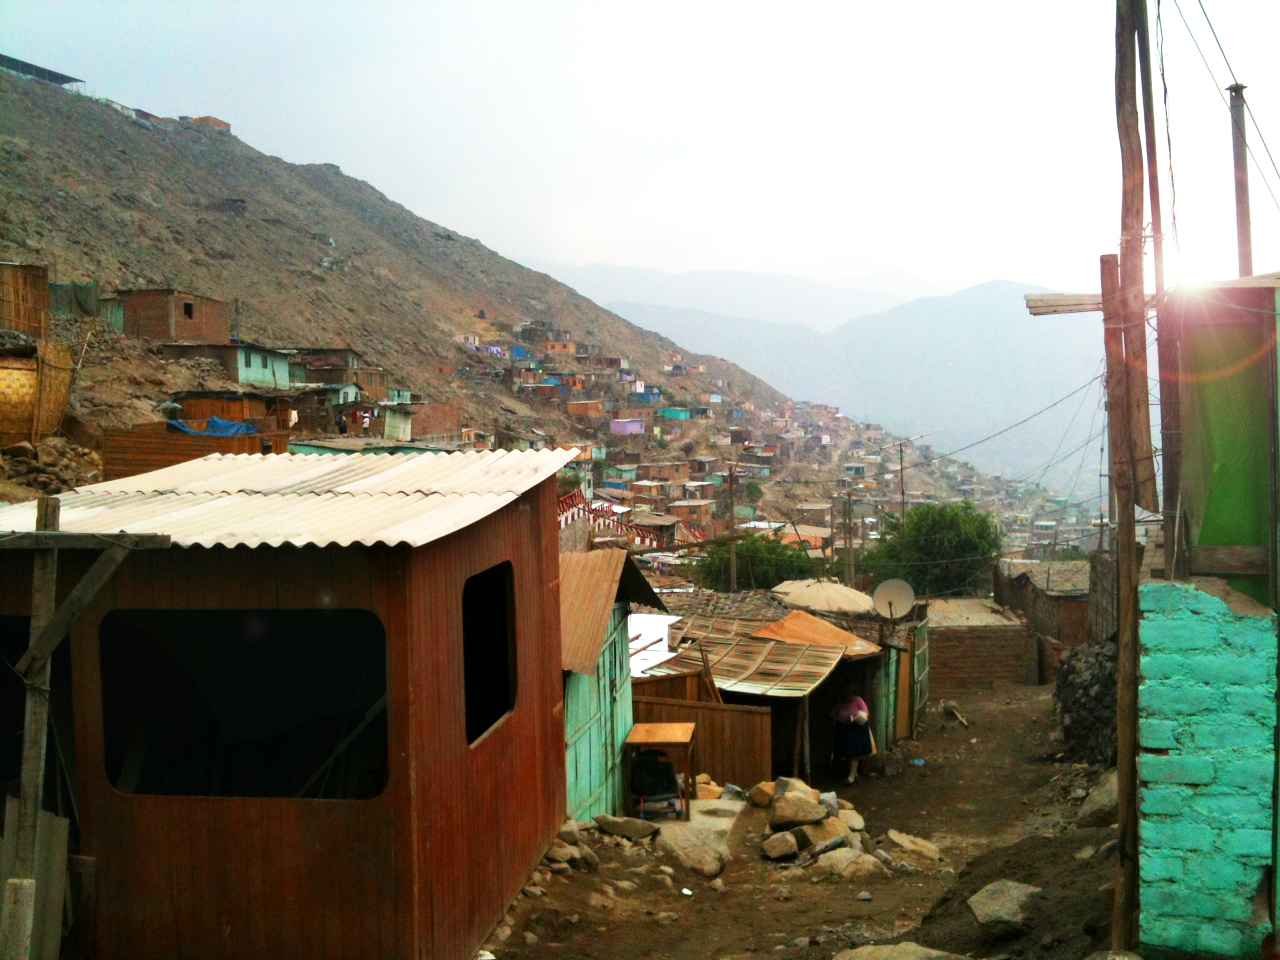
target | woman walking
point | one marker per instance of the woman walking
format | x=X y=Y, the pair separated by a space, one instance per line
x=854 y=740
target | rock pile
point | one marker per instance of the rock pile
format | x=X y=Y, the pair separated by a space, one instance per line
x=826 y=835
x=51 y=466
x=1086 y=700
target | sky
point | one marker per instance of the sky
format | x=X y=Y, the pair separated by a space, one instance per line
x=910 y=149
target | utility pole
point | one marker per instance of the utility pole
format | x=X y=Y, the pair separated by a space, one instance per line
x=902 y=487
x=1240 y=156
x=848 y=539
x=733 y=526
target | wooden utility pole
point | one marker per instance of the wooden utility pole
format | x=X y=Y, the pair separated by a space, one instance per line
x=19 y=905
x=902 y=488
x=1240 y=156
x=733 y=526
x=1124 y=932
x=848 y=539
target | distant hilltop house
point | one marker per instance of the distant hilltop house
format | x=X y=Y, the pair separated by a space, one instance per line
x=30 y=70
x=207 y=122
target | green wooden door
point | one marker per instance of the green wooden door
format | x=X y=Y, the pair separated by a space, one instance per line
x=920 y=677
x=597 y=719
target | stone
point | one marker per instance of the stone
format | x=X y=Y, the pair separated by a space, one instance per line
x=561 y=852
x=1003 y=909
x=569 y=833
x=717 y=885
x=814 y=834
x=598 y=901
x=780 y=846
x=831 y=802
x=626 y=886
x=666 y=918
x=21 y=449
x=627 y=827
x=669 y=871
x=666 y=881
x=794 y=806
x=843 y=804
x=530 y=937
x=703 y=778
x=708 y=791
x=585 y=859
x=782 y=894
x=735 y=793
x=896 y=951
x=863 y=896
x=698 y=848
x=904 y=841
x=1101 y=806
x=852 y=819
x=533 y=891
x=560 y=868
x=761 y=794
x=847 y=864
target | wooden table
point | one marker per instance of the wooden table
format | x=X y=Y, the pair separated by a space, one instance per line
x=674 y=739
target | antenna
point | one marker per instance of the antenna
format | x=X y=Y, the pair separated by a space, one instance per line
x=894 y=599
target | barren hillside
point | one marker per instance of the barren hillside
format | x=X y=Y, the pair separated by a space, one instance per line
x=307 y=255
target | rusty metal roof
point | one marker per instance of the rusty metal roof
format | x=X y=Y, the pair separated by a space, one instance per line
x=747 y=664
x=270 y=500
x=590 y=584
x=800 y=627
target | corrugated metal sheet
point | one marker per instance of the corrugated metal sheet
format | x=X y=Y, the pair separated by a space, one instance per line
x=590 y=584
x=255 y=500
x=801 y=627
x=967 y=612
x=748 y=665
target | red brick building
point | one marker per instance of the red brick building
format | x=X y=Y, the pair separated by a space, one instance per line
x=168 y=315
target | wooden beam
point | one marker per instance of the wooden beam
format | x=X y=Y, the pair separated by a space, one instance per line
x=1229 y=561
x=17 y=916
x=80 y=597
x=1047 y=304
x=51 y=540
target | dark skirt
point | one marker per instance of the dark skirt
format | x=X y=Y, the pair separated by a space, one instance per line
x=853 y=740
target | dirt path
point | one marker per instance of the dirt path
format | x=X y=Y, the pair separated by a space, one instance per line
x=979 y=790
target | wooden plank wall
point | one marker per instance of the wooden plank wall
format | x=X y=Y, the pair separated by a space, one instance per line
x=126 y=453
x=682 y=686
x=732 y=743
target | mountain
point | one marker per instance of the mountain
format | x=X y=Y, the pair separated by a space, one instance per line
x=306 y=255
x=954 y=369
x=772 y=297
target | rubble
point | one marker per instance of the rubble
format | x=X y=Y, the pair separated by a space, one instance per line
x=701 y=849
x=1086 y=698
x=627 y=827
x=904 y=841
x=794 y=804
x=1101 y=805
x=896 y=951
x=54 y=465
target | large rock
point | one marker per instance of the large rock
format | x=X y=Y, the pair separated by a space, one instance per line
x=1101 y=806
x=1003 y=909
x=569 y=833
x=762 y=794
x=795 y=803
x=904 y=841
x=628 y=827
x=850 y=864
x=561 y=852
x=700 y=849
x=812 y=834
x=709 y=791
x=896 y=951
x=853 y=820
x=780 y=846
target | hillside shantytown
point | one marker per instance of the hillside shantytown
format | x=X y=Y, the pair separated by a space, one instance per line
x=364 y=594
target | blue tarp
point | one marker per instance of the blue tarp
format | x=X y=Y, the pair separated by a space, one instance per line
x=216 y=427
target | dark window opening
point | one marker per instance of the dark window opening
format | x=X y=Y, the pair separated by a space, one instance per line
x=245 y=703
x=488 y=648
x=189 y=310
x=262 y=360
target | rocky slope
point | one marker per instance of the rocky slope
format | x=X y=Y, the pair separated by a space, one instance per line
x=306 y=255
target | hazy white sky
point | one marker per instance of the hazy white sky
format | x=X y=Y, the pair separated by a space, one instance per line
x=913 y=148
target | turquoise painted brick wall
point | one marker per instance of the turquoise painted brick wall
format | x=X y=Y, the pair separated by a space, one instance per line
x=1206 y=733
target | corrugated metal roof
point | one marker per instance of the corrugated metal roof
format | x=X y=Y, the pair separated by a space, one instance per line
x=800 y=627
x=1054 y=577
x=750 y=665
x=270 y=500
x=590 y=583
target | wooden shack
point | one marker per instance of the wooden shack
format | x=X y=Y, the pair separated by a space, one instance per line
x=154 y=446
x=325 y=722
x=597 y=589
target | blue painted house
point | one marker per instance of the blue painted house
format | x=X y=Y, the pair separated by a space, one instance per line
x=596 y=591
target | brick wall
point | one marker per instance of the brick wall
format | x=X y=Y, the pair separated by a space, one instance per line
x=969 y=658
x=1207 y=713
x=146 y=314
x=210 y=321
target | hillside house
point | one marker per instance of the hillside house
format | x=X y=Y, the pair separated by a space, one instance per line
x=383 y=645
x=670 y=471
x=250 y=364
x=165 y=315
x=597 y=589
x=627 y=428
x=585 y=408
x=693 y=513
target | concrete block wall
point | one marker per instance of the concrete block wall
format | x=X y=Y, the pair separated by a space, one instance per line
x=1206 y=737
x=978 y=658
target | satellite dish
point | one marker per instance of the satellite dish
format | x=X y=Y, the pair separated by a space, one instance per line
x=894 y=599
